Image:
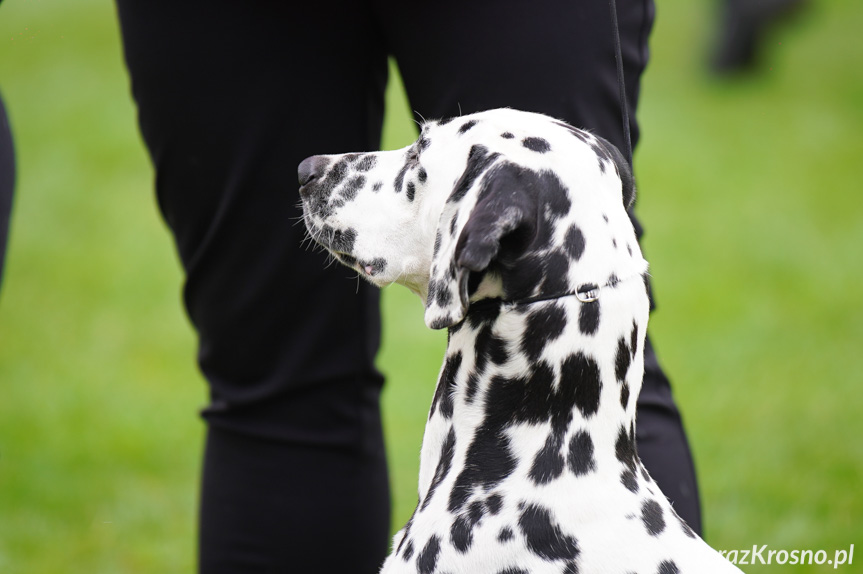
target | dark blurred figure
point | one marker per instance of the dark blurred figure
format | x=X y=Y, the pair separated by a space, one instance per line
x=743 y=26
x=7 y=180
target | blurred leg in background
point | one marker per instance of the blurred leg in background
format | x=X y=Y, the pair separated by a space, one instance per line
x=555 y=58
x=7 y=181
x=231 y=97
x=743 y=25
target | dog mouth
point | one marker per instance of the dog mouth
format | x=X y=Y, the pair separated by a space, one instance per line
x=338 y=242
x=369 y=269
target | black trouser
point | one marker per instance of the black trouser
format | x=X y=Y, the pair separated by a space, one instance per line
x=231 y=97
x=7 y=181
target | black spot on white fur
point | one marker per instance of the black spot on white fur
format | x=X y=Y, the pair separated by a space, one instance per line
x=543 y=325
x=439 y=293
x=472 y=386
x=629 y=480
x=366 y=163
x=406 y=537
x=461 y=534
x=408 y=551
x=548 y=463
x=545 y=538
x=574 y=242
x=475 y=512
x=446 y=386
x=443 y=466
x=343 y=240
x=622 y=360
x=652 y=517
x=580 y=458
x=466 y=126
x=400 y=177
x=427 y=558
x=624 y=395
x=588 y=318
x=624 y=448
x=352 y=187
x=538 y=145
x=490 y=445
x=582 y=373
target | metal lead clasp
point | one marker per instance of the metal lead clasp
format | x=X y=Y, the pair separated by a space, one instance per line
x=587 y=293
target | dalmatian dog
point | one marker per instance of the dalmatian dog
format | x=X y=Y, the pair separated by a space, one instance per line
x=512 y=228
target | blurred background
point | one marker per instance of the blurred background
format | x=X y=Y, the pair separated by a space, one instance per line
x=750 y=190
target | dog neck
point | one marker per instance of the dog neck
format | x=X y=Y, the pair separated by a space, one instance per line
x=542 y=367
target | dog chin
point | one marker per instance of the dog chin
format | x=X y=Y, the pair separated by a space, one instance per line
x=372 y=271
x=416 y=284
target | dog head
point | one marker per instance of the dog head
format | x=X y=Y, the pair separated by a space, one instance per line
x=498 y=204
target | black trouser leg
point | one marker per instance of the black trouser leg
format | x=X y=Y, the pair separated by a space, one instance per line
x=277 y=508
x=662 y=443
x=231 y=97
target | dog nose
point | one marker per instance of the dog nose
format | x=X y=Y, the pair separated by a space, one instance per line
x=311 y=168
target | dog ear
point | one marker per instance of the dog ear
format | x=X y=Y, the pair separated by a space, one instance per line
x=624 y=170
x=501 y=223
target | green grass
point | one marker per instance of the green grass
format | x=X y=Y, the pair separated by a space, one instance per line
x=750 y=192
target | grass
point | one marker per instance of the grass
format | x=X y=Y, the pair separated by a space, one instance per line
x=750 y=194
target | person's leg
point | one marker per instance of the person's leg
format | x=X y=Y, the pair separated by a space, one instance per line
x=743 y=25
x=555 y=58
x=7 y=181
x=231 y=97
